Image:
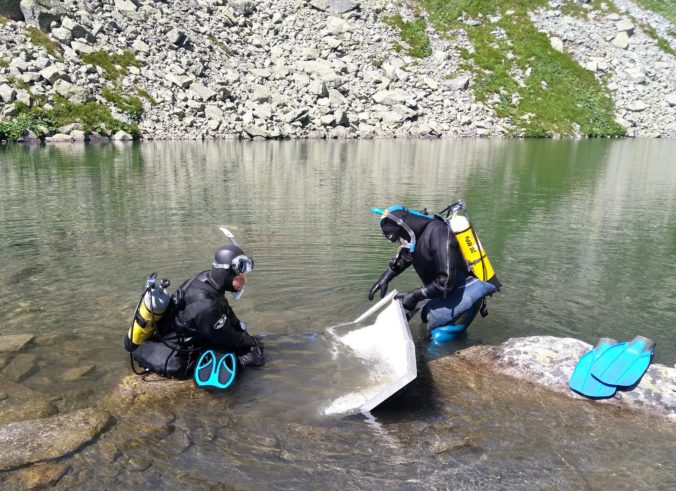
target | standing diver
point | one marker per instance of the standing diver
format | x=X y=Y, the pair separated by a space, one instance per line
x=198 y=318
x=453 y=292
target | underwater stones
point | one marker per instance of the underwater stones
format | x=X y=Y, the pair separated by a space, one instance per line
x=147 y=389
x=38 y=476
x=14 y=342
x=20 y=367
x=36 y=409
x=29 y=442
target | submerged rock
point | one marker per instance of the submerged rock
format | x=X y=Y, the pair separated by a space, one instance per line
x=549 y=361
x=14 y=342
x=40 y=440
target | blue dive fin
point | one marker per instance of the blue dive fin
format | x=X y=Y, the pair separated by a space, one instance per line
x=215 y=370
x=624 y=364
x=582 y=380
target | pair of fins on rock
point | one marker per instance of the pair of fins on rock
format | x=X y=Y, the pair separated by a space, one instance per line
x=611 y=366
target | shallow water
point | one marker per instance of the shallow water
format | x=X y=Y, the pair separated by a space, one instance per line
x=581 y=234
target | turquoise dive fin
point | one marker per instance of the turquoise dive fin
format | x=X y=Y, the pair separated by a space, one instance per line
x=582 y=380
x=624 y=364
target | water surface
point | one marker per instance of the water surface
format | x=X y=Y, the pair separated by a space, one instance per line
x=581 y=234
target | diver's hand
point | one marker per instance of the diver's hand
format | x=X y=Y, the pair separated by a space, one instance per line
x=382 y=283
x=409 y=300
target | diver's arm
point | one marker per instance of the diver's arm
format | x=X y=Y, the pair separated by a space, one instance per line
x=396 y=265
x=221 y=329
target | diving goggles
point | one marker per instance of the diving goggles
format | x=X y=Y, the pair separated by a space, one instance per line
x=240 y=264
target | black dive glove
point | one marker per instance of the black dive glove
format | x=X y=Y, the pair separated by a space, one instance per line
x=382 y=283
x=409 y=300
x=252 y=358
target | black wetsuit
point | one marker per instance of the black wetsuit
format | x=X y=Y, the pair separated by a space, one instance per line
x=206 y=321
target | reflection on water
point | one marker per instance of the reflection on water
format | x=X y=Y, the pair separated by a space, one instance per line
x=580 y=233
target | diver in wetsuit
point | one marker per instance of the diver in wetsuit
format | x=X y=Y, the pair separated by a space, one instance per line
x=453 y=297
x=201 y=318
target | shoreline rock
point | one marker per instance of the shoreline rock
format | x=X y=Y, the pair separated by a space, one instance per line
x=549 y=362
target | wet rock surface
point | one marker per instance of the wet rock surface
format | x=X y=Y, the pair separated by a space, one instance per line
x=30 y=442
x=549 y=361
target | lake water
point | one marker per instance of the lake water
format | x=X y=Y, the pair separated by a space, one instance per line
x=582 y=235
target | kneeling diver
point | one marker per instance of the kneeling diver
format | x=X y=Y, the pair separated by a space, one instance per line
x=198 y=318
x=452 y=283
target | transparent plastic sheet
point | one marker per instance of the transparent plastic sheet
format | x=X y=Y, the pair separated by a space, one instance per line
x=382 y=340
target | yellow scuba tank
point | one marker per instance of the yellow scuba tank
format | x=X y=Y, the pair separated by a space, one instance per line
x=150 y=309
x=472 y=251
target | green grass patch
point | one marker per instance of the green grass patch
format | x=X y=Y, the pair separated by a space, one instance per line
x=662 y=43
x=114 y=65
x=3 y=20
x=92 y=116
x=39 y=38
x=571 y=100
x=126 y=103
x=146 y=95
x=4 y=63
x=666 y=8
x=412 y=33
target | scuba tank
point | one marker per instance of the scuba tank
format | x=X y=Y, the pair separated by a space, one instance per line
x=472 y=251
x=151 y=307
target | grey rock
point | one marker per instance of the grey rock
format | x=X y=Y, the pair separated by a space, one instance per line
x=121 y=136
x=556 y=43
x=182 y=81
x=141 y=46
x=7 y=93
x=41 y=13
x=59 y=138
x=621 y=40
x=242 y=7
x=213 y=112
x=76 y=29
x=54 y=72
x=261 y=94
x=11 y=343
x=336 y=25
x=62 y=35
x=341 y=118
x=254 y=131
x=202 y=91
x=29 y=137
x=72 y=92
x=78 y=136
x=635 y=75
x=637 y=106
x=671 y=99
x=176 y=37
x=81 y=48
x=126 y=5
x=549 y=361
x=625 y=25
x=23 y=96
x=295 y=115
x=334 y=6
x=390 y=97
x=460 y=83
x=28 y=442
x=20 y=367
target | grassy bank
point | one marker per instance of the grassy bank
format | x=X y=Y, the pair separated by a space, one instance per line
x=666 y=8
x=90 y=117
x=518 y=73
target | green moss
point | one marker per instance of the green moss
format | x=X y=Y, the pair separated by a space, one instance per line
x=570 y=101
x=4 y=63
x=413 y=34
x=114 y=65
x=39 y=38
x=666 y=8
x=125 y=103
x=92 y=116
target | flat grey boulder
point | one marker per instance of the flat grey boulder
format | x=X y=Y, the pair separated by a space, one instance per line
x=41 y=440
x=41 y=13
x=334 y=6
x=549 y=361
